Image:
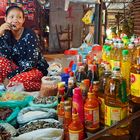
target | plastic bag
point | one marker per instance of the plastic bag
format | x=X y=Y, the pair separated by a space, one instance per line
x=15 y=87
x=51 y=105
x=42 y=134
x=12 y=118
x=15 y=103
x=9 y=128
x=34 y=113
x=39 y=124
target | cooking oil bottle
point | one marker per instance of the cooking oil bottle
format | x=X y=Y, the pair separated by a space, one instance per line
x=116 y=102
x=135 y=78
x=125 y=68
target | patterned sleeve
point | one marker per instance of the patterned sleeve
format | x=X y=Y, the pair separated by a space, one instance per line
x=32 y=55
x=5 y=48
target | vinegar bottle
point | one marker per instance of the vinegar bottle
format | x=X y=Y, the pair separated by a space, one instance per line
x=76 y=129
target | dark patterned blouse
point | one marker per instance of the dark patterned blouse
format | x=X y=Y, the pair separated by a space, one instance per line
x=24 y=53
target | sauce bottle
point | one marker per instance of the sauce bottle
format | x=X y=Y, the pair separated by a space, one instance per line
x=76 y=128
x=91 y=110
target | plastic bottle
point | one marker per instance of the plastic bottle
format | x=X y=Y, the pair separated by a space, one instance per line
x=60 y=111
x=67 y=121
x=78 y=103
x=116 y=102
x=65 y=75
x=61 y=92
x=76 y=129
x=108 y=54
x=135 y=78
x=91 y=111
x=125 y=68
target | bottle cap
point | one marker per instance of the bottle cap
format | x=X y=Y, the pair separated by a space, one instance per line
x=71 y=74
x=116 y=69
x=66 y=70
x=61 y=91
x=108 y=49
x=87 y=82
x=125 y=52
x=61 y=84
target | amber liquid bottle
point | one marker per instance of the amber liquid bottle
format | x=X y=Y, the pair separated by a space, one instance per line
x=116 y=102
x=135 y=78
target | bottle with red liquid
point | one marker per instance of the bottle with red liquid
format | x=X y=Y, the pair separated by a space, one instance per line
x=76 y=128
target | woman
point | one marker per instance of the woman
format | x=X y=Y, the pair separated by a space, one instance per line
x=20 y=58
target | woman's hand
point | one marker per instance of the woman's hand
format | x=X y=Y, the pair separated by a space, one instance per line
x=3 y=27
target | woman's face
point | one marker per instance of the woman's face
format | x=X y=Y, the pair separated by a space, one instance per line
x=15 y=18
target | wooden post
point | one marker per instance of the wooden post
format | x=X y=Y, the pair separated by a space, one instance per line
x=97 y=31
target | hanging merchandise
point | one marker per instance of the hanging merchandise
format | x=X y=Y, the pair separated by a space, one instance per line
x=88 y=17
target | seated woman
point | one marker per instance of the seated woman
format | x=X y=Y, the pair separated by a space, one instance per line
x=20 y=58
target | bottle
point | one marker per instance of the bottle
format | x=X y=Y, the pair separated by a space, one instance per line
x=84 y=86
x=65 y=76
x=67 y=121
x=117 y=58
x=108 y=54
x=81 y=75
x=135 y=78
x=91 y=110
x=89 y=72
x=61 y=92
x=76 y=128
x=78 y=103
x=116 y=102
x=60 y=111
x=125 y=68
x=95 y=75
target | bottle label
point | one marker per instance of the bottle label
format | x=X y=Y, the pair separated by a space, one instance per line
x=61 y=119
x=76 y=135
x=135 y=84
x=114 y=114
x=91 y=118
x=102 y=108
x=115 y=63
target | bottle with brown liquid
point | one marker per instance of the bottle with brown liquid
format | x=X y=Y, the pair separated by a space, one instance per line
x=135 y=78
x=116 y=102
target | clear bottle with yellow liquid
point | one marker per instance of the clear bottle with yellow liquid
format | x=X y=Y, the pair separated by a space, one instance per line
x=125 y=68
x=116 y=102
x=135 y=78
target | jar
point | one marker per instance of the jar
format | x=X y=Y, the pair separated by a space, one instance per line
x=48 y=87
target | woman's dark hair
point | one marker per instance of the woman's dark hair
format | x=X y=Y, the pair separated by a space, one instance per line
x=14 y=7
